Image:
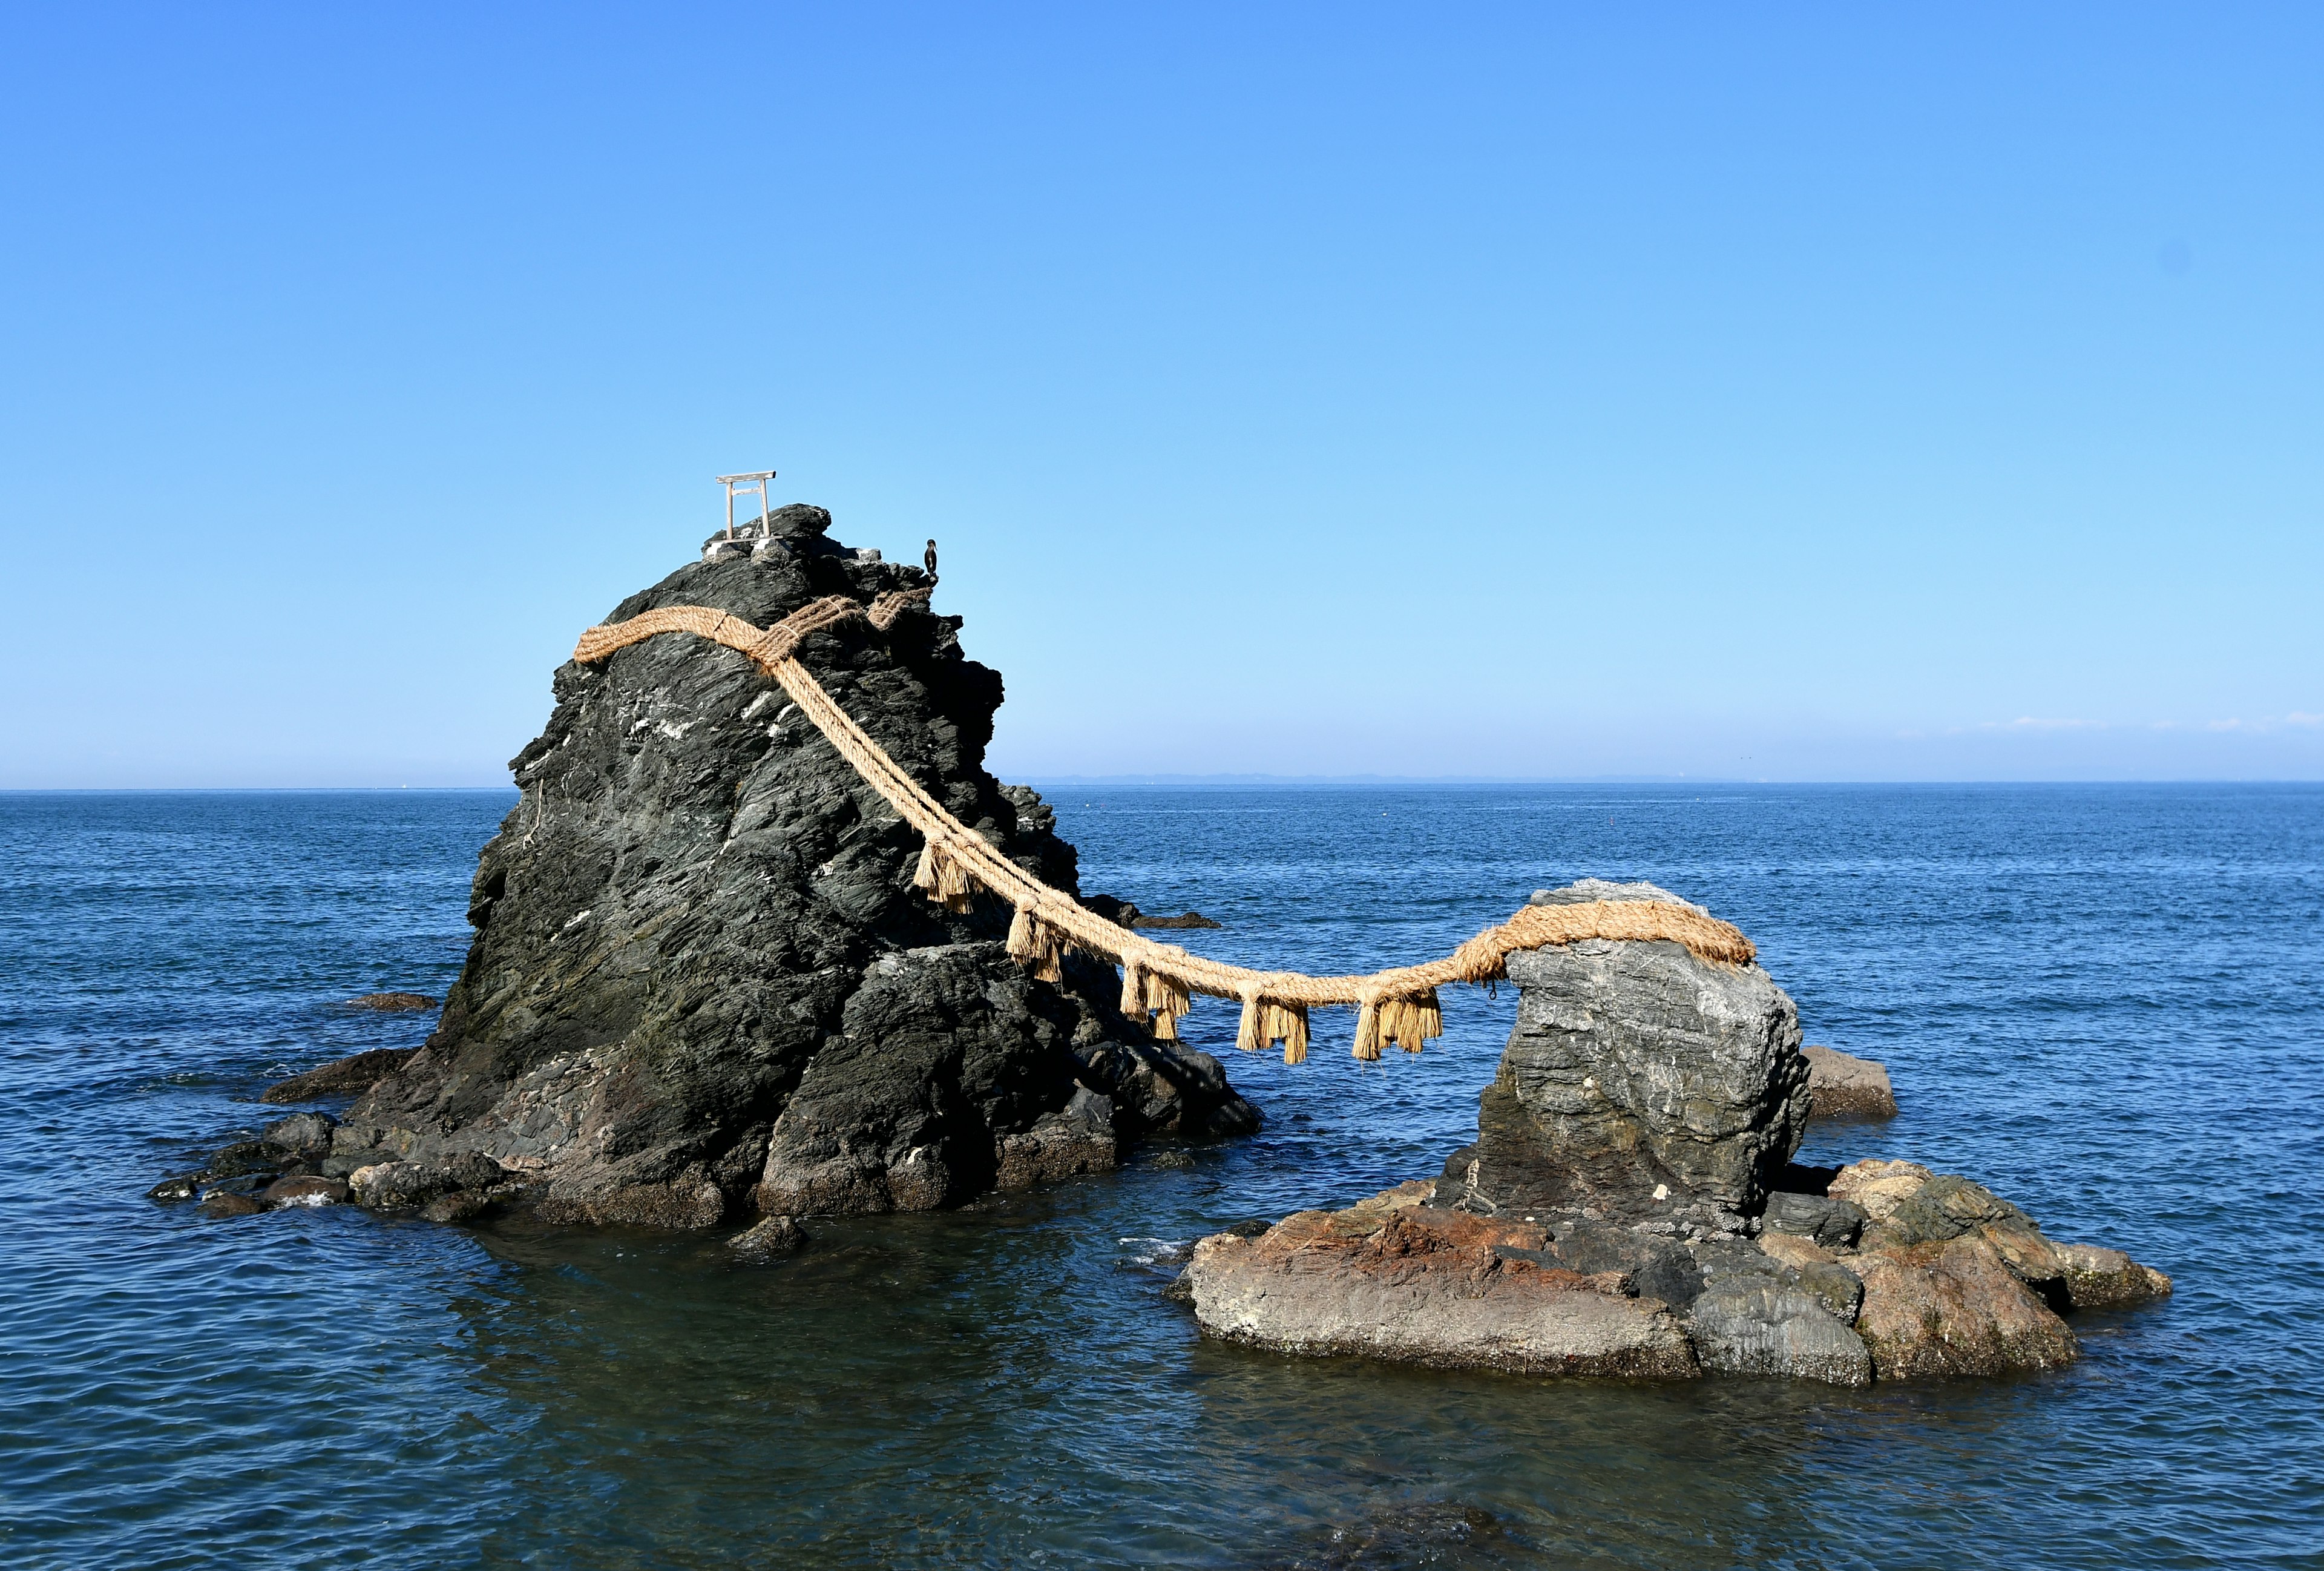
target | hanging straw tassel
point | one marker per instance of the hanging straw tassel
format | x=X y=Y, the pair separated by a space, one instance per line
x=1034 y=943
x=942 y=878
x=1409 y=1022
x=1167 y=998
x=1248 y=1036
x=1286 y=1023
x=1050 y=963
x=1368 y=1046
x=1133 y=989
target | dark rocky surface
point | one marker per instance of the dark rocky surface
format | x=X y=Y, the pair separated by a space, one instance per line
x=701 y=980
x=393 y=1003
x=348 y=1076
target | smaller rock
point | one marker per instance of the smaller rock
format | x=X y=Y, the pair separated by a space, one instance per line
x=1820 y=1272
x=1763 y=1325
x=2107 y=1278
x=1949 y=1206
x=402 y=1185
x=169 y=1191
x=1833 y=1223
x=1112 y=907
x=1058 y=1146
x=346 y=1077
x=1878 y=1186
x=306 y=1190
x=221 y=1203
x=1183 y=920
x=245 y=1156
x=393 y=1002
x=1954 y=1309
x=1841 y=1086
x=767 y=1239
x=1092 y=1108
x=304 y=1132
x=456 y=1206
x=1659 y=1267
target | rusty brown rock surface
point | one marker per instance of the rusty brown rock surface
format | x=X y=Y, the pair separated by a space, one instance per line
x=1394 y=1278
x=1949 y=1280
x=1953 y=1309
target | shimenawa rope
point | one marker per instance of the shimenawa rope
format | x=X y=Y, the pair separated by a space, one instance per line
x=1159 y=981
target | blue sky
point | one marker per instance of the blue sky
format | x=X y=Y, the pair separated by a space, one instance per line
x=1777 y=391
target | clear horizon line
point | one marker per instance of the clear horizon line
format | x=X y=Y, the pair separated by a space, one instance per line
x=1051 y=780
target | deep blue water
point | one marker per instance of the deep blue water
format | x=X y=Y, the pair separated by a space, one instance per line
x=2103 y=1002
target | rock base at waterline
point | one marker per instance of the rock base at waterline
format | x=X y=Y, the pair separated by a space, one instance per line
x=1393 y=1279
x=1889 y=1272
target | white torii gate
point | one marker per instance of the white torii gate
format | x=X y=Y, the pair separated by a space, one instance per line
x=756 y=480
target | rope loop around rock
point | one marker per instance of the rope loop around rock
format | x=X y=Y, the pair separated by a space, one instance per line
x=1159 y=981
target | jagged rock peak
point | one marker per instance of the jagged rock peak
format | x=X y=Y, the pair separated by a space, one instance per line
x=701 y=980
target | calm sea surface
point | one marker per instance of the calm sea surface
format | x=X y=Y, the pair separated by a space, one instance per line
x=2104 y=1002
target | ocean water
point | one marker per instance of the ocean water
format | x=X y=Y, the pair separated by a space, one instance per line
x=2102 y=1001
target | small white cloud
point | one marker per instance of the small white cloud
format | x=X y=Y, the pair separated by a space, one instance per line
x=2030 y=722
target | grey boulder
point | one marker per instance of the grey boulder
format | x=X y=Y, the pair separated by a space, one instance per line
x=1641 y=1084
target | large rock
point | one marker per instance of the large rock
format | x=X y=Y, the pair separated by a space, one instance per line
x=1640 y=1083
x=1394 y=1278
x=701 y=975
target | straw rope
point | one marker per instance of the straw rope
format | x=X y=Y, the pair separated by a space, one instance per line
x=1159 y=981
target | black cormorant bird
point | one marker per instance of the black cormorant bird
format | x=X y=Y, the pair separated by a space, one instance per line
x=931 y=559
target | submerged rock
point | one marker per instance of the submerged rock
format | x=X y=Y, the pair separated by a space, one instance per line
x=1840 y=1087
x=305 y=1189
x=1641 y=1082
x=393 y=1002
x=701 y=979
x=769 y=1238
